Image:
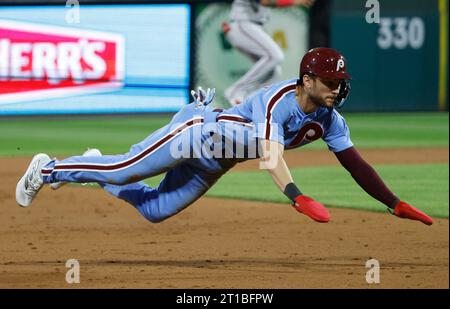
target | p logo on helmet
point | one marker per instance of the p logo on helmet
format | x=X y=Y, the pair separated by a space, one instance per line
x=340 y=64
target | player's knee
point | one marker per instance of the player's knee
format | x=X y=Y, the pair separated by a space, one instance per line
x=273 y=60
x=150 y=215
x=277 y=57
x=156 y=219
x=159 y=208
x=157 y=215
x=277 y=72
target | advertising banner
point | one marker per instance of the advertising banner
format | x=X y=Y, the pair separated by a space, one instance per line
x=98 y=59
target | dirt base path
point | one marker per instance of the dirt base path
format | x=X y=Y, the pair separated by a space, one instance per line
x=214 y=243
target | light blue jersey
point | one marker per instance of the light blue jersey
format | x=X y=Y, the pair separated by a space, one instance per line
x=281 y=119
x=198 y=146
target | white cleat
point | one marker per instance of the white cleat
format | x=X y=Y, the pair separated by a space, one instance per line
x=31 y=182
x=88 y=153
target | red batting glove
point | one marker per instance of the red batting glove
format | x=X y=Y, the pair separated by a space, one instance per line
x=404 y=210
x=311 y=208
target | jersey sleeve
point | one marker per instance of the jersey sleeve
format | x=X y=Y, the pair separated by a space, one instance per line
x=269 y=116
x=337 y=135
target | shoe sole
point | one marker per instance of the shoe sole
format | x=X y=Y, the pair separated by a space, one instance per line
x=21 y=197
x=88 y=153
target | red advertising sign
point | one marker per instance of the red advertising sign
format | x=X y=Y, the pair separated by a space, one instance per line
x=43 y=61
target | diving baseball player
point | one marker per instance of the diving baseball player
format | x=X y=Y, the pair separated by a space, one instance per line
x=199 y=145
x=245 y=32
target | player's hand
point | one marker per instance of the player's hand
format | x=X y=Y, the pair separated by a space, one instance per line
x=406 y=211
x=202 y=98
x=311 y=208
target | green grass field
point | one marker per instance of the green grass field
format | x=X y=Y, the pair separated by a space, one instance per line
x=377 y=130
x=425 y=186
x=114 y=134
x=60 y=136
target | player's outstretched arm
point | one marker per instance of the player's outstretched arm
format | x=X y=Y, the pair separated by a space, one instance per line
x=370 y=181
x=284 y=3
x=272 y=160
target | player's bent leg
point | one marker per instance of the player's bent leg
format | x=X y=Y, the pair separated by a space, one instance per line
x=90 y=152
x=273 y=76
x=181 y=186
x=145 y=159
x=136 y=194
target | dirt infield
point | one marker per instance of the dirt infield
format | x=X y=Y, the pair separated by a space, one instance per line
x=215 y=243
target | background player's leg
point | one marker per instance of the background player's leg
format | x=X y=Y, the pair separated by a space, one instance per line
x=253 y=40
x=181 y=186
x=273 y=76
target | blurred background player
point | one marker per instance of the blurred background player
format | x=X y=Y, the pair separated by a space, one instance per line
x=245 y=32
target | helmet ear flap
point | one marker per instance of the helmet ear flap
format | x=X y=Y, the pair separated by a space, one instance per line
x=344 y=91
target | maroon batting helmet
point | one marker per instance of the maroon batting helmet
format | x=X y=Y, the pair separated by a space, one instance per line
x=324 y=62
x=327 y=63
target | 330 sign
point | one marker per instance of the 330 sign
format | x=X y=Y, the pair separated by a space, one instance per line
x=401 y=32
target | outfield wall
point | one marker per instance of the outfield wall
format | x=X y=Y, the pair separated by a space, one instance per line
x=399 y=62
x=155 y=51
x=113 y=58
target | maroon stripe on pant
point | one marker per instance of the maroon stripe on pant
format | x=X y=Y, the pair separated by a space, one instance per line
x=232 y=118
x=146 y=152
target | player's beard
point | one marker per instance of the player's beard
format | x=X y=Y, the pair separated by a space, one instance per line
x=319 y=102
x=331 y=103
